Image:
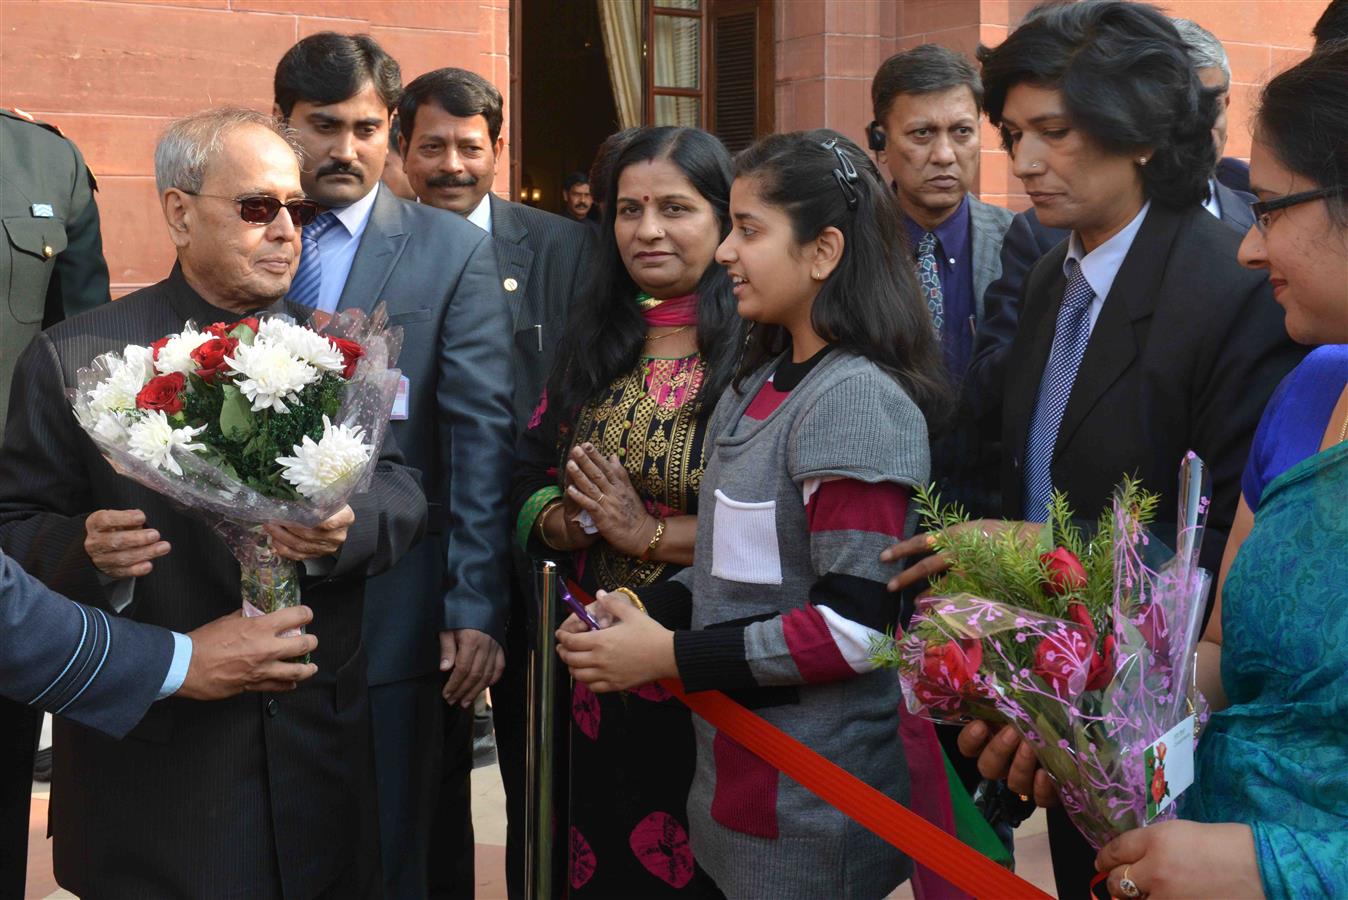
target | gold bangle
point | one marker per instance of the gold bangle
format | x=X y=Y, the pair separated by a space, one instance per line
x=542 y=520
x=655 y=540
x=631 y=595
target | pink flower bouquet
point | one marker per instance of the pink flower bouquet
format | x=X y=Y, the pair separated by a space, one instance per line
x=1083 y=644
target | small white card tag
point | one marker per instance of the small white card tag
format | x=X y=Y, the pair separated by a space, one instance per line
x=400 y=400
x=43 y=210
x=1169 y=767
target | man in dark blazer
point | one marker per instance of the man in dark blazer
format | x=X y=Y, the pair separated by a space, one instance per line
x=247 y=796
x=443 y=609
x=103 y=671
x=451 y=141
x=928 y=104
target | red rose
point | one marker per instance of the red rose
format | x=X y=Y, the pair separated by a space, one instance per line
x=250 y=321
x=1152 y=624
x=163 y=392
x=1063 y=659
x=351 y=351
x=1065 y=571
x=210 y=358
x=219 y=329
x=1077 y=612
x=158 y=345
x=1102 y=666
x=948 y=671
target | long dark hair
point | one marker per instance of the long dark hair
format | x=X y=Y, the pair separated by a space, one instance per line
x=1126 y=81
x=1303 y=118
x=871 y=304
x=605 y=330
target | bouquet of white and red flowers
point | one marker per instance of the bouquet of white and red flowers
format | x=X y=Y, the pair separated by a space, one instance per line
x=249 y=422
x=1084 y=643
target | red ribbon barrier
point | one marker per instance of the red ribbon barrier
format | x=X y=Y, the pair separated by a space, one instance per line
x=945 y=855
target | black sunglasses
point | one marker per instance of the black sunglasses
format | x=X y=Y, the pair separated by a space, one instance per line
x=259 y=209
x=846 y=174
x=1263 y=210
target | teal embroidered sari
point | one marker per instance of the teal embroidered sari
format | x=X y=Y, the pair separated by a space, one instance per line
x=1277 y=758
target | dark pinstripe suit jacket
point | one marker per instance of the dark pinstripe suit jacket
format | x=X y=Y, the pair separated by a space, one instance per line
x=257 y=796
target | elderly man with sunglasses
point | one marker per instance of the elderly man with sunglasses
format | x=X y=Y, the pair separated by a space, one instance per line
x=256 y=795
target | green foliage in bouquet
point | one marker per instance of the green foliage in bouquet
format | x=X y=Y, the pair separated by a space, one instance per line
x=249 y=442
x=1044 y=569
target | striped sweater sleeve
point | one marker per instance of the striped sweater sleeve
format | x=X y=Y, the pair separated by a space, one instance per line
x=828 y=638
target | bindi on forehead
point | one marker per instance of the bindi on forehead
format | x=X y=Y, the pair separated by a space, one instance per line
x=645 y=198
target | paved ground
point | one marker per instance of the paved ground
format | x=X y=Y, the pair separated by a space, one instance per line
x=489 y=825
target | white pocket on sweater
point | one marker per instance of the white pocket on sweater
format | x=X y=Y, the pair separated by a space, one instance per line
x=744 y=542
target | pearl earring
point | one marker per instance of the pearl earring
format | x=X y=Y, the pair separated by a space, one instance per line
x=1141 y=160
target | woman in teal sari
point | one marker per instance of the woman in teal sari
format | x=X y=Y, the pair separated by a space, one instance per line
x=1267 y=814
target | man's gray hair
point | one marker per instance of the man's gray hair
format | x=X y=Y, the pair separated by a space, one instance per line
x=189 y=144
x=1205 y=51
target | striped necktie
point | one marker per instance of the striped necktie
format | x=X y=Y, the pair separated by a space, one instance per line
x=304 y=290
x=1070 y=336
x=929 y=279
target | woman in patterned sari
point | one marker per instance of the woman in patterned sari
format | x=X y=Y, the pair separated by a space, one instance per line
x=608 y=480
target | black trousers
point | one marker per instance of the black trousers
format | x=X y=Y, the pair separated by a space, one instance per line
x=450 y=864
x=19 y=729
x=1073 y=858
x=406 y=719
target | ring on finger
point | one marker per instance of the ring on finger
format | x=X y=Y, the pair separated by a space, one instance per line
x=1127 y=886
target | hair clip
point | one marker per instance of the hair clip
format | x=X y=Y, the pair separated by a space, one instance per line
x=846 y=174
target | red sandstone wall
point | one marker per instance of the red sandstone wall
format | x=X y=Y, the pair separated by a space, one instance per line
x=828 y=50
x=112 y=74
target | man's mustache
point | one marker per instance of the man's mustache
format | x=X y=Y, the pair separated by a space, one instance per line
x=339 y=168
x=448 y=181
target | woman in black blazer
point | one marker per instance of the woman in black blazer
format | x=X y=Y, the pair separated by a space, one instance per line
x=1141 y=337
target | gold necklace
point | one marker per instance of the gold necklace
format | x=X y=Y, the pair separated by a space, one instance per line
x=661 y=337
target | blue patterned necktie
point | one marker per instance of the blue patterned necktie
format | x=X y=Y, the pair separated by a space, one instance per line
x=930 y=280
x=304 y=290
x=1070 y=336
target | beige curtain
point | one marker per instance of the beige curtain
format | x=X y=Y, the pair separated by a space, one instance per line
x=620 y=21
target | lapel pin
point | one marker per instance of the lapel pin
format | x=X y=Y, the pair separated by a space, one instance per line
x=511 y=284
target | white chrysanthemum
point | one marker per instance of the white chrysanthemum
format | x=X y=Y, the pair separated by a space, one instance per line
x=305 y=343
x=153 y=440
x=176 y=355
x=126 y=376
x=272 y=374
x=339 y=455
x=111 y=426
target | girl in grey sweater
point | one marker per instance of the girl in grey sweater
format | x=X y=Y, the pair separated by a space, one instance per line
x=816 y=449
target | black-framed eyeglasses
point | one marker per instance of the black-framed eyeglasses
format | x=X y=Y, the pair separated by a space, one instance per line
x=260 y=209
x=1263 y=210
x=846 y=174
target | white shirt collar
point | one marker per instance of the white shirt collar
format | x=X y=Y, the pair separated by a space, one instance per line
x=481 y=214
x=357 y=215
x=1101 y=266
x=1212 y=204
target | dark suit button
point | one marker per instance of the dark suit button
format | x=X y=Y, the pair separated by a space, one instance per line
x=273 y=707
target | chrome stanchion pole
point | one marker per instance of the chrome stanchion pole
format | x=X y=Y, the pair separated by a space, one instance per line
x=542 y=707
